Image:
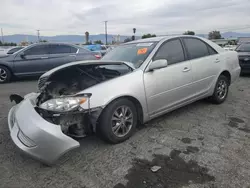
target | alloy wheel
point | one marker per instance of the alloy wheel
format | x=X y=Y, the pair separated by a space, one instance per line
x=3 y=75
x=122 y=121
x=222 y=89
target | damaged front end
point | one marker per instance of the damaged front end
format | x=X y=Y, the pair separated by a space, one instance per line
x=45 y=125
x=60 y=104
x=67 y=112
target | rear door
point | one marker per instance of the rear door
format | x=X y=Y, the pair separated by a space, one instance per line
x=32 y=61
x=61 y=54
x=205 y=63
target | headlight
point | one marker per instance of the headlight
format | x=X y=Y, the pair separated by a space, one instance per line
x=63 y=104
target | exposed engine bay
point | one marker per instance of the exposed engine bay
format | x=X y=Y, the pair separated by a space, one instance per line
x=66 y=83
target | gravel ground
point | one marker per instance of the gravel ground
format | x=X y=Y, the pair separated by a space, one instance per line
x=200 y=145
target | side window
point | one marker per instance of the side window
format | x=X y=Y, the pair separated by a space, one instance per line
x=172 y=51
x=196 y=48
x=37 y=50
x=211 y=50
x=60 y=49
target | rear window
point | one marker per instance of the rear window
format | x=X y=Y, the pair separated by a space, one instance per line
x=135 y=53
x=196 y=48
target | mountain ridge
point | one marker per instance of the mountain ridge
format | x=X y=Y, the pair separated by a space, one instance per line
x=18 y=38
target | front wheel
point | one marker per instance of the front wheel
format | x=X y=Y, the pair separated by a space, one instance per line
x=118 y=121
x=220 y=90
x=5 y=74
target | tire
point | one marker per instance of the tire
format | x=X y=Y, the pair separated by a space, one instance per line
x=220 y=90
x=5 y=74
x=111 y=123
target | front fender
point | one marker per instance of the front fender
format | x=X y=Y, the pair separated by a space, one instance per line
x=128 y=85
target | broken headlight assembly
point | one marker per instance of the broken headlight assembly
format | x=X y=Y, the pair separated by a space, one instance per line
x=64 y=104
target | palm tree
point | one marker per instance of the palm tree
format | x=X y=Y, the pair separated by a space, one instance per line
x=133 y=37
x=134 y=30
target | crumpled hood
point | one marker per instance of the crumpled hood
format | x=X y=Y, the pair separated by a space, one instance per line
x=50 y=72
x=75 y=77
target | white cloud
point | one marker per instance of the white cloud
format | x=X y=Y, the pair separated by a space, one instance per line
x=54 y=17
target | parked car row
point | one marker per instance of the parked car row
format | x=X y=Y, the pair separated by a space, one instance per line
x=135 y=82
x=38 y=58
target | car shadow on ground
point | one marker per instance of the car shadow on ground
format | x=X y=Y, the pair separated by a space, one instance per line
x=176 y=112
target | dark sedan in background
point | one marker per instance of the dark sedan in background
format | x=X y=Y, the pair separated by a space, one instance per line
x=244 y=57
x=38 y=58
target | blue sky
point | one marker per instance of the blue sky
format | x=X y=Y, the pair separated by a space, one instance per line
x=55 y=17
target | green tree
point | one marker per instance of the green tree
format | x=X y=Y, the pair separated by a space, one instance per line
x=98 y=42
x=148 y=36
x=128 y=39
x=43 y=41
x=189 y=33
x=214 y=35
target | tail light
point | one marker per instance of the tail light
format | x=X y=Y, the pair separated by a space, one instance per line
x=98 y=56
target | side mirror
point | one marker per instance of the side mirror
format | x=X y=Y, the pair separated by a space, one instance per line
x=22 y=55
x=158 y=64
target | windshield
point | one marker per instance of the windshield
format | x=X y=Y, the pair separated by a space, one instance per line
x=244 y=48
x=135 y=53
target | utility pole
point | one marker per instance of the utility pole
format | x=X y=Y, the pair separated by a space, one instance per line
x=106 y=34
x=2 y=35
x=38 y=35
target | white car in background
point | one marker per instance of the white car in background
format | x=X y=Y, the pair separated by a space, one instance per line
x=230 y=47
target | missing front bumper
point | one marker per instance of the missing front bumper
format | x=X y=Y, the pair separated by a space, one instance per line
x=38 y=138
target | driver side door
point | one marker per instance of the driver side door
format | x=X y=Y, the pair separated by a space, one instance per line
x=33 y=62
x=171 y=86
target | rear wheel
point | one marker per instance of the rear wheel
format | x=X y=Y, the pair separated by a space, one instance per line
x=5 y=74
x=118 y=121
x=220 y=90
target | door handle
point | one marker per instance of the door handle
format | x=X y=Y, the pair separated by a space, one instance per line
x=186 y=69
x=72 y=55
x=217 y=61
x=44 y=57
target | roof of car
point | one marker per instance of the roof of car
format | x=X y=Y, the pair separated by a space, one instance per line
x=157 y=39
x=153 y=39
x=65 y=43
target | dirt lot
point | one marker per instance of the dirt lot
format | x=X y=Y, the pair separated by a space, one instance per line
x=201 y=145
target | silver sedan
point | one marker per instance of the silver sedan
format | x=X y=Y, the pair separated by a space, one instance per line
x=135 y=82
